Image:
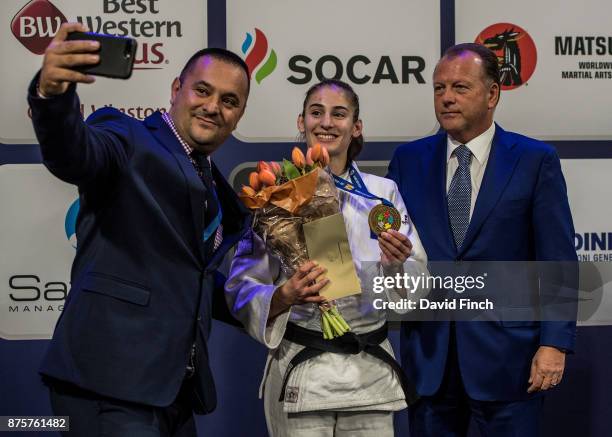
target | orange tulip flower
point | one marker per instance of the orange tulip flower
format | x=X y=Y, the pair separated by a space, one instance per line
x=309 y=160
x=262 y=165
x=324 y=157
x=254 y=181
x=267 y=178
x=276 y=168
x=298 y=157
x=316 y=152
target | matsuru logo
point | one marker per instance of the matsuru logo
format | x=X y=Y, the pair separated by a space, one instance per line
x=256 y=55
x=36 y=23
x=515 y=51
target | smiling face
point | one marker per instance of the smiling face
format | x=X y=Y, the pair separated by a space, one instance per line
x=464 y=99
x=208 y=103
x=329 y=119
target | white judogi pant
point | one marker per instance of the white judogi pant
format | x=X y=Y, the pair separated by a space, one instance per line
x=326 y=423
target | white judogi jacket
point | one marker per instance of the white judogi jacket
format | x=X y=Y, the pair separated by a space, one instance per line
x=329 y=381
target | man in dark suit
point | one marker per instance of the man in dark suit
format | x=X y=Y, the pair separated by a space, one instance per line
x=478 y=193
x=129 y=354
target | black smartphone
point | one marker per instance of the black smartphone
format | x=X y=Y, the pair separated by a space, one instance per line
x=117 y=54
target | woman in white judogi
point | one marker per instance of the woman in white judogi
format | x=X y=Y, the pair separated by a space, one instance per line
x=332 y=394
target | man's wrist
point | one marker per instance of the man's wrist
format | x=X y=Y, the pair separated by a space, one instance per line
x=39 y=92
x=560 y=349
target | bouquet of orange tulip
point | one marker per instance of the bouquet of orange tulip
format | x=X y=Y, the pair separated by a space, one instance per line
x=286 y=195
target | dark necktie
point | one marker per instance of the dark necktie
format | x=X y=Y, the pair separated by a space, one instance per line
x=459 y=195
x=212 y=212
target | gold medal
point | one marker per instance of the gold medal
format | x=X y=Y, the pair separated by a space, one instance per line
x=383 y=217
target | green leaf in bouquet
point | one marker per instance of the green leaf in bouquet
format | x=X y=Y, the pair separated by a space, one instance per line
x=290 y=170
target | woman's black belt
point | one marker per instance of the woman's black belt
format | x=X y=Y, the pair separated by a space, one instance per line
x=349 y=343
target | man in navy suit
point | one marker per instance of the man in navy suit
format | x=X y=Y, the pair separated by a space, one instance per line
x=129 y=354
x=477 y=192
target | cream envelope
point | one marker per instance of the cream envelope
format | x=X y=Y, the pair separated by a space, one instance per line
x=328 y=245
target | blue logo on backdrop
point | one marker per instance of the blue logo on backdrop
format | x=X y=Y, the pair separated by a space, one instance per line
x=70 y=223
x=594 y=246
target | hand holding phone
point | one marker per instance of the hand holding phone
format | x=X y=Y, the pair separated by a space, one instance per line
x=61 y=59
x=116 y=54
x=70 y=59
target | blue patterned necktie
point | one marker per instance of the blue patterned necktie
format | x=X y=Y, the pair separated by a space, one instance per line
x=212 y=213
x=460 y=195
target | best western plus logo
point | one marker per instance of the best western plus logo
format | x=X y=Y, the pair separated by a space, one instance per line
x=35 y=25
x=39 y=20
x=257 y=53
x=515 y=51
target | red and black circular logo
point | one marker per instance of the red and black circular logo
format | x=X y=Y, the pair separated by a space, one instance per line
x=36 y=24
x=515 y=51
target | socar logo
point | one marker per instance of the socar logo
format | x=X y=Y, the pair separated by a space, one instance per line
x=258 y=49
x=70 y=223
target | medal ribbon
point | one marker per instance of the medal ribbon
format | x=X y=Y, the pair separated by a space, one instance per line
x=356 y=186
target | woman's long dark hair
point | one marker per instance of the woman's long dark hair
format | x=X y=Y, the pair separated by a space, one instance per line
x=356 y=142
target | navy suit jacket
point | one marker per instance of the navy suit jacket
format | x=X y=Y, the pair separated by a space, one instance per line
x=521 y=214
x=142 y=288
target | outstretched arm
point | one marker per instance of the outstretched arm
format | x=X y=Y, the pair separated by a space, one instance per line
x=75 y=152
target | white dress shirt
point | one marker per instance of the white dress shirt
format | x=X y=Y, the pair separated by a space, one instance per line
x=480 y=148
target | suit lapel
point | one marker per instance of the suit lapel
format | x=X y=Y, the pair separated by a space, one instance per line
x=435 y=169
x=166 y=138
x=500 y=166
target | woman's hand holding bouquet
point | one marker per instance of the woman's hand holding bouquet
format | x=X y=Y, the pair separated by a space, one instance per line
x=301 y=288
